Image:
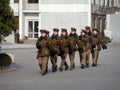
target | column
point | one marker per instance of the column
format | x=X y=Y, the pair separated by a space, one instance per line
x=20 y=18
x=39 y=25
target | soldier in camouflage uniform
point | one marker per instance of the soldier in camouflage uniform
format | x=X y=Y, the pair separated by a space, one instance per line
x=89 y=44
x=72 y=46
x=43 y=51
x=96 y=47
x=63 y=45
x=54 y=48
x=82 y=47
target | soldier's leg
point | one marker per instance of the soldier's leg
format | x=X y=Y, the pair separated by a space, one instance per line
x=63 y=62
x=88 y=57
x=55 y=58
x=95 y=57
x=83 y=57
x=71 y=56
x=40 y=59
x=44 y=65
x=53 y=61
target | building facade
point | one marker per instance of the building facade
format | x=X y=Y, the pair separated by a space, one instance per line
x=48 y=14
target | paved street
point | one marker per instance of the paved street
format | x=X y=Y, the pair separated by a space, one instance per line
x=27 y=76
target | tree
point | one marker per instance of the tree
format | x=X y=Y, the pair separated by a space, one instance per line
x=7 y=18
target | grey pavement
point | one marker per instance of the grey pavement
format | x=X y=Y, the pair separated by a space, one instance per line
x=16 y=46
x=26 y=76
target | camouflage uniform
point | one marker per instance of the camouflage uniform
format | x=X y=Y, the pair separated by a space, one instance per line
x=89 y=45
x=72 y=47
x=63 y=45
x=54 y=49
x=96 y=47
x=43 y=52
x=82 y=47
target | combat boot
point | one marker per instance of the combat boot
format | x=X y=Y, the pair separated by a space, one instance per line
x=94 y=65
x=87 y=65
x=82 y=66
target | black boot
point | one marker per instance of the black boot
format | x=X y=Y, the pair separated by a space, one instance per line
x=61 y=69
x=82 y=66
x=94 y=65
x=87 y=65
x=66 y=68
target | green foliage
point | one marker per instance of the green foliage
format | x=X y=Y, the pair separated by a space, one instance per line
x=106 y=39
x=21 y=42
x=5 y=60
x=7 y=18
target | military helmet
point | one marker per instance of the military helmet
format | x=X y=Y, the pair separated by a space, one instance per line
x=87 y=28
x=83 y=31
x=73 y=29
x=64 y=30
x=55 y=29
x=43 y=31
x=95 y=29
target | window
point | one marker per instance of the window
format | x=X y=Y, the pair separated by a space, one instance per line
x=16 y=1
x=32 y=1
x=32 y=29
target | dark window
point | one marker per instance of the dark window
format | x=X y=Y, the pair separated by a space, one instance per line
x=32 y=1
x=94 y=1
x=16 y=1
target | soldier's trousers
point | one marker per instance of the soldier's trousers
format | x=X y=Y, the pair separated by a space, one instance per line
x=43 y=62
x=72 y=57
x=63 y=61
x=54 y=61
x=83 y=57
x=88 y=56
x=95 y=55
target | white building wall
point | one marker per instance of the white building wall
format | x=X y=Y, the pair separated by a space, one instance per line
x=113 y=26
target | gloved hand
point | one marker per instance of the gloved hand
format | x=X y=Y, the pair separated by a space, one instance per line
x=104 y=47
x=80 y=49
x=53 y=52
x=93 y=46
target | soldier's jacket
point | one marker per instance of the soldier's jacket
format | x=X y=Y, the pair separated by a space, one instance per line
x=82 y=43
x=97 y=42
x=63 y=44
x=72 y=44
x=53 y=44
x=42 y=46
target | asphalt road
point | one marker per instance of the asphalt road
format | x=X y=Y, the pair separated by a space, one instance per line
x=26 y=76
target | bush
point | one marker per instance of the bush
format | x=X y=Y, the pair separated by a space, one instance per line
x=21 y=42
x=5 y=61
x=106 y=39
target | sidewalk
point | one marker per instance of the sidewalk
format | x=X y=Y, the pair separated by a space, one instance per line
x=16 y=46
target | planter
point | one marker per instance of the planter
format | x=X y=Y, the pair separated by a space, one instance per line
x=5 y=61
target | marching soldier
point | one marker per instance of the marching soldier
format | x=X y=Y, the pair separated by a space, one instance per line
x=89 y=45
x=63 y=45
x=82 y=47
x=72 y=47
x=54 y=48
x=96 y=47
x=43 y=52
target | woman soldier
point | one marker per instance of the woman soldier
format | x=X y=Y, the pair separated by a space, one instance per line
x=63 y=45
x=43 y=51
x=96 y=47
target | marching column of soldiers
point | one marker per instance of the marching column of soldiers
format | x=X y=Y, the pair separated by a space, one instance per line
x=51 y=47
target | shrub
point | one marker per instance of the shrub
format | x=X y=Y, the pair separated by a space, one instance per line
x=106 y=39
x=21 y=42
x=5 y=61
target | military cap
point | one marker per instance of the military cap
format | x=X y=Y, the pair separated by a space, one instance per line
x=87 y=28
x=83 y=31
x=43 y=31
x=95 y=29
x=73 y=29
x=64 y=30
x=55 y=29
